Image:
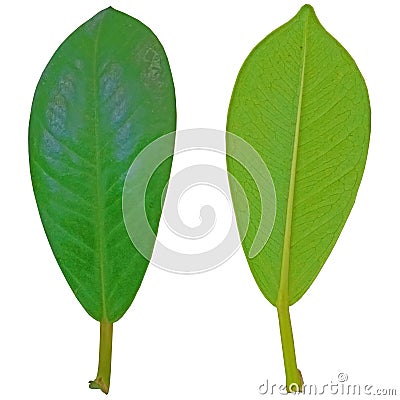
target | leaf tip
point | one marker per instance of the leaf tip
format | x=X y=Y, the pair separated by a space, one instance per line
x=108 y=10
x=307 y=10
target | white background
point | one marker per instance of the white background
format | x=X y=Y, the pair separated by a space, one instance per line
x=213 y=335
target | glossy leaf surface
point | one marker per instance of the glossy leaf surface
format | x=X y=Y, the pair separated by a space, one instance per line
x=106 y=93
x=302 y=103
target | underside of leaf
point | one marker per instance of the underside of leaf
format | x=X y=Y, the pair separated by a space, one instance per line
x=302 y=103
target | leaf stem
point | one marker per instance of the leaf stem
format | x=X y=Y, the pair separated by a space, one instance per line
x=102 y=380
x=294 y=380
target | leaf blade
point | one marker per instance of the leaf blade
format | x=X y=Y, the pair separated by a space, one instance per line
x=292 y=101
x=106 y=93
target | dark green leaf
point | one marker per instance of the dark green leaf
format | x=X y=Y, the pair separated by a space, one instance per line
x=106 y=93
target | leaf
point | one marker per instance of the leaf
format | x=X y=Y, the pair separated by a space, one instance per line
x=106 y=93
x=302 y=103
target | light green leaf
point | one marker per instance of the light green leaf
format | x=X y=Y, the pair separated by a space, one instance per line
x=302 y=103
x=106 y=93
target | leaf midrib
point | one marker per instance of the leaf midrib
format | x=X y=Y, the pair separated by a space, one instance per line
x=283 y=292
x=99 y=192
